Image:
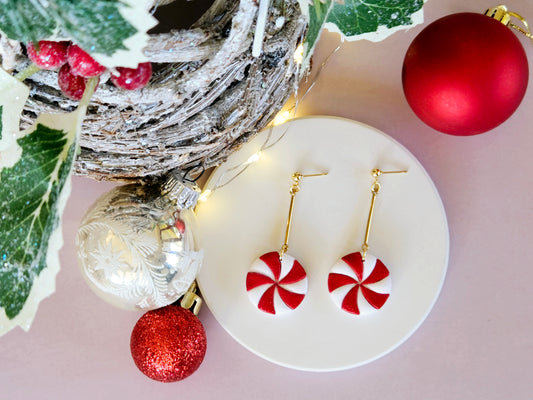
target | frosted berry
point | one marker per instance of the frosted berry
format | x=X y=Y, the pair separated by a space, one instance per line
x=71 y=85
x=82 y=63
x=50 y=55
x=133 y=78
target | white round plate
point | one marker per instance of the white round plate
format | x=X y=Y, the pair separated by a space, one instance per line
x=247 y=218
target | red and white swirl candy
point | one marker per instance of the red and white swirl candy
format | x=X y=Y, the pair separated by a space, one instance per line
x=359 y=287
x=275 y=286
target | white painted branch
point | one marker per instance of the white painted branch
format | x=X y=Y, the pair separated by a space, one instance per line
x=208 y=95
x=260 y=25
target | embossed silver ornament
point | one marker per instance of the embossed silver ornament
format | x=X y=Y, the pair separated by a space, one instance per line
x=136 y=245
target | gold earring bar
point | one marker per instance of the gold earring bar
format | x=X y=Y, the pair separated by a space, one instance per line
x=295 y=188
x=376 y=173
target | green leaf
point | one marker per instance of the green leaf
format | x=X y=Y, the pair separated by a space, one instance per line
x=34 y=187
x=26 y=21
x=29 y=193
x=318 y=13
x=101 y=27
x=84 y=20
x=357 y=17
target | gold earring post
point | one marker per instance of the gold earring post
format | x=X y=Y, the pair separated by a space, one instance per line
x=295 y=188
x=376 y=173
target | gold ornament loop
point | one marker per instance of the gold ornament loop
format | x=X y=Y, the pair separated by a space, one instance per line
x=502 y=14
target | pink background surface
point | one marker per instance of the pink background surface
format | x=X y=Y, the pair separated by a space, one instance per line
x=476 y=343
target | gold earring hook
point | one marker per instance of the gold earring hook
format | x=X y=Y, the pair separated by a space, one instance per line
x=374 y=189
x=295 y=188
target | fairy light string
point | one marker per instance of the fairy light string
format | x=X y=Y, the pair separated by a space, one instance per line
x=285 y=116
x=500 y=13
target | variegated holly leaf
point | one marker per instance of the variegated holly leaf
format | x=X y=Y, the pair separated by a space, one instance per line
x=113 y=31
x=373 y=19
x=318 y=15
x=35 y=170
x=359 y=19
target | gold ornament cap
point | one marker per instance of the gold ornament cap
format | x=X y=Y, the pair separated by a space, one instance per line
x=191 y=300
x=502 y=14
x=499 y=13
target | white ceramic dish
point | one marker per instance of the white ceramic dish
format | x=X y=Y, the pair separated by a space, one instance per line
x=247 y=218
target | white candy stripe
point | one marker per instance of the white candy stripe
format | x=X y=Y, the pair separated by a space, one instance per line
x=340 y=293
x=287 y=263
x=279 y=304
x=340 y=267
x=297 y=287
x=255 y=294
x=363 y=304
x=260 y=267
x=383 y=286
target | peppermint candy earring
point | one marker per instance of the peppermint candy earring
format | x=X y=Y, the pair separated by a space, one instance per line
x=360 y=283
x=277 y=282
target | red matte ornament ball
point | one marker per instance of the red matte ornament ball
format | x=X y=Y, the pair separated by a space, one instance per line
x=465 y=74
x=168 y=344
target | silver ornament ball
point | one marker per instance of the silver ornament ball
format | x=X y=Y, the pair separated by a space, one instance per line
x=136 y=245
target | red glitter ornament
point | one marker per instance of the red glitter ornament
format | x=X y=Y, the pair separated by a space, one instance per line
x=168 y=344
x=465 y=74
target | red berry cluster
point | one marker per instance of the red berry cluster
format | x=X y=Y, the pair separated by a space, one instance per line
x=76 y=66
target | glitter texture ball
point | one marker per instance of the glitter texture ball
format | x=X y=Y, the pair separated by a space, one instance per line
x=168 y=344
x=137 y=248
